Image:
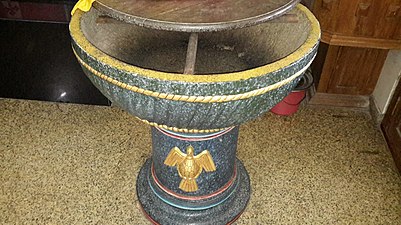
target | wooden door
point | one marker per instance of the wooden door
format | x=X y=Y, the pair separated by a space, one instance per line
x=351 y=71
x=391 y=126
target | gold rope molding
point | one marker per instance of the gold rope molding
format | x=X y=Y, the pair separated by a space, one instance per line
x=181 y=130
x=197 y=99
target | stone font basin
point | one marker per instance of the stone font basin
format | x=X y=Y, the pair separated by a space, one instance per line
x=193 y=176
x=240 y=74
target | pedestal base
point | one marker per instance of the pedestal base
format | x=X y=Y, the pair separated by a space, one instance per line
x=159 y=212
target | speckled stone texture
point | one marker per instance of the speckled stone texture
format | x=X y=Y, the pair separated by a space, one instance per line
x=123 y=62
x=223 y=213
x=222 y=150
x=77 y=164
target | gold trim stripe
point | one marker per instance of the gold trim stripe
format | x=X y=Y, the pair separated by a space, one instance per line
x=193 y=99
x=181 y=130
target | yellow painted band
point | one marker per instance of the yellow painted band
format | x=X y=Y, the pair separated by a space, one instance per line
x=197 y=99
x=83 y=5
x=182 y=130
x=304 y=49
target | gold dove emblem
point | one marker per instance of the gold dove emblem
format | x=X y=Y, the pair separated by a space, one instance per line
x=189 y=167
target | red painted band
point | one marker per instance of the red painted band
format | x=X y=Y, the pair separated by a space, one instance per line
x=235 y=218
x=194 y=198
x=148 y=216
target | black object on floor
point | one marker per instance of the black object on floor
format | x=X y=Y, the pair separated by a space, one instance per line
x=36 y=62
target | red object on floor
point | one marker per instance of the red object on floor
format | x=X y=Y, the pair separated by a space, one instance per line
x=290 y=104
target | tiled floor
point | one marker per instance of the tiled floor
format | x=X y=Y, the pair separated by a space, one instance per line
x=77 y=164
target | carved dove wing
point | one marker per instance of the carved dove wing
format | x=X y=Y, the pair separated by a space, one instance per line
x=174 y=157
x=205 y=160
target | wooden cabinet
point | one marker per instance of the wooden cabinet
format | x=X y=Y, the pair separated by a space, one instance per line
x=391 y=126
x=360 y=23
x=356 y=38
x=351 y=70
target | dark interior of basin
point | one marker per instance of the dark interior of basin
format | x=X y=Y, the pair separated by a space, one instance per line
x=219 y=52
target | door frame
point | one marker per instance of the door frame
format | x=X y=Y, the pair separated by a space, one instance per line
x=391 y=119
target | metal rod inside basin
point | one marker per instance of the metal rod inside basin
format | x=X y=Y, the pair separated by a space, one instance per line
x=191 y=54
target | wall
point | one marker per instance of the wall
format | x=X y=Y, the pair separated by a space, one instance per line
x=308 y=3
x=37 y=62
x=388 y=81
